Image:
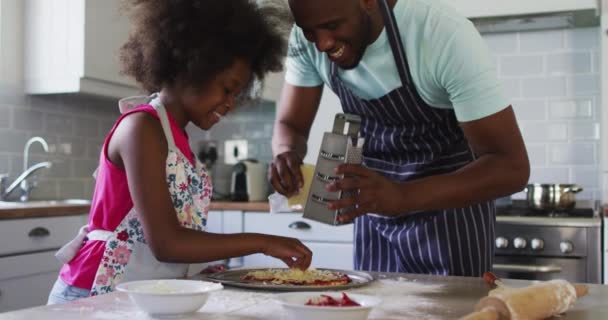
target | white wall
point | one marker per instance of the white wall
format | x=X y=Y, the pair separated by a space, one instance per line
x=553 y=78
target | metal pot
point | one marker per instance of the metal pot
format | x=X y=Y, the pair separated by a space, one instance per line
x=551 y=196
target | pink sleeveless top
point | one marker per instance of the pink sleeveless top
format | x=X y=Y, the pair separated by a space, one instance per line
x=111 y=203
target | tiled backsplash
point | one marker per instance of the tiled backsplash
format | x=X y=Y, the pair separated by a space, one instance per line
x=74 y=127
x=251 y=122
x=551 y=76
x=554 y=82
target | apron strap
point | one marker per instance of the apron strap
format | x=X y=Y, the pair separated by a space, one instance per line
x=164 y=120
x=394 y=38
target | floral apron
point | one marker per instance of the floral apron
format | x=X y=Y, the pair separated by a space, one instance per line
x=127 y=256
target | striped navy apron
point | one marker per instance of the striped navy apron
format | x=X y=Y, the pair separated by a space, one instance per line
x=406 y=139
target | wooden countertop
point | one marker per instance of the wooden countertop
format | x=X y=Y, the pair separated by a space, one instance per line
x=43 y=209
x=240 y=206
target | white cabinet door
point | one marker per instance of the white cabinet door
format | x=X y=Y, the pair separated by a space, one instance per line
x=72 y=46
x=293 y=225
x=106 y=30
x=331 y=255
x=26 y=280
x=325 y=255
x=26 y=292
x=215 y=222
x=20 y=236
x=331 y=246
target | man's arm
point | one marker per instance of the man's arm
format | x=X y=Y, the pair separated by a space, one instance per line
x=501 y=168
x=296 y=112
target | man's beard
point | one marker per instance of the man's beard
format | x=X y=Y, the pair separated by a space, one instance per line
x=366 y=32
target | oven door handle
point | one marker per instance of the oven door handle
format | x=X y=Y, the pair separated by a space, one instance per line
x=550 y=268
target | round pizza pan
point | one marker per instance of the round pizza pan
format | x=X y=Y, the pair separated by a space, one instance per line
x=233 y=278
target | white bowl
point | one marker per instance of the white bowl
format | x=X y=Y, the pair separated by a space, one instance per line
x=169 y=297
x=295 y=305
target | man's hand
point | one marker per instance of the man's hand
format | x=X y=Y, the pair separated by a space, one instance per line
x=284 y=173
x=373 y=193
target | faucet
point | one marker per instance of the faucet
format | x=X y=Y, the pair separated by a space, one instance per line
x=26 y=158
x=5 y=192
x=27 y=171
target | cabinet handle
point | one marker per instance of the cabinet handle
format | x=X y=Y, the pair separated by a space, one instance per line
x=299 y=225
x=39 y=232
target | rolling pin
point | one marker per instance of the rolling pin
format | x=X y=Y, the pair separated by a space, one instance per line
x=538 y=301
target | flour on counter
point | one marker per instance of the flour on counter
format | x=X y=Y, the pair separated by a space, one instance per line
x=404 y=299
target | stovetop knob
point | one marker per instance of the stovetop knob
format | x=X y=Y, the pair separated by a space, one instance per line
x=537 y=244
x=566 y=247
x=502 y=243
x=519 y=243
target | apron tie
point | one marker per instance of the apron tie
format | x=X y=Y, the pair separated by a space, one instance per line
x=66 y=253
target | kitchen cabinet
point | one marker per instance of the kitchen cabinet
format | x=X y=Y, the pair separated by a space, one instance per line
x=332 y=246
x=28 y=267
x=497 y=8
x=72 y=46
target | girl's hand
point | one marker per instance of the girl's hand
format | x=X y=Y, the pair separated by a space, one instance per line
x=373 y=193
x=289 y=250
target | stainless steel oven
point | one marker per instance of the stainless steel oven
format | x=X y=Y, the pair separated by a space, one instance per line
x=534 y=245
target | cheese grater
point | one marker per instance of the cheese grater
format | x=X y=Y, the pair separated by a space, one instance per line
x=342 y=145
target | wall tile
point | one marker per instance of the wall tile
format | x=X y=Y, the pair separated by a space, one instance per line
x=502 y=43
x=544 y=87
x=86 y=127
x=511 y=87
x=62 y=167
x=571 y=109
x=46 y=190
x=537 y=153
x=541 y=41
x=524 y=65
x=530 y=109
x=72 y=189
x=586 y=177
x=5 y=164
x=59 y=124
x=5 y=116
x=12 y=141
x=543 y=131
x=584 y=85
x=584 y=131
x=572 y=62
x=83 y=169
x=93 y=149
x=583 y=38
x=573 y=154
x=550 y=175
x=27 y=119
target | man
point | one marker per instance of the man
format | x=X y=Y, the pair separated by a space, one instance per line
x=441 y=140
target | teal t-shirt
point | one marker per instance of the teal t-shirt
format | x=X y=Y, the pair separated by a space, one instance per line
x=448 y=60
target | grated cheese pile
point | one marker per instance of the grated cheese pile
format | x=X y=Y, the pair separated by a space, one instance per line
x=280 y=276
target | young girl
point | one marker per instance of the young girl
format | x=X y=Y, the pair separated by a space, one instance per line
x=149 y=210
